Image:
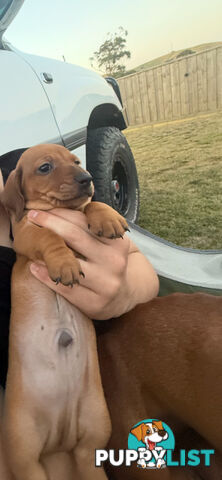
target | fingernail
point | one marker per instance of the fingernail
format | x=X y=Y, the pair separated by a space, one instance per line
x=32 y=214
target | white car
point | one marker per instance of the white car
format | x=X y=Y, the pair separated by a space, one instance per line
x=48 y=101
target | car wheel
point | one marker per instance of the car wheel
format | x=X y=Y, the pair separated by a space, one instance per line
x=112 y=166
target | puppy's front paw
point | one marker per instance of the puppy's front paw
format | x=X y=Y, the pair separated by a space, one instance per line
x=111 y=227
x=105 y=222
x=65 y=270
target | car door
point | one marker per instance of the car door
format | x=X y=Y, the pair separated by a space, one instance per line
x=26 y=117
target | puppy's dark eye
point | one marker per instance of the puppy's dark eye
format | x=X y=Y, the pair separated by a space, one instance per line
x=77 y=162
x=45 y=168
x=148 y=431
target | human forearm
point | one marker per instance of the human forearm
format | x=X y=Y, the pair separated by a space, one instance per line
x=142 y=281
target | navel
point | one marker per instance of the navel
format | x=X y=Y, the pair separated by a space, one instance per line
x=65 y=339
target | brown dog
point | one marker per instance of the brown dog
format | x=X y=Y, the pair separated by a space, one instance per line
x=54 y=397
x=164 y=360
x=49 y=176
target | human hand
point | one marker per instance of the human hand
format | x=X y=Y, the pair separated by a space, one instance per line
x=104 y=266
x=117 y=275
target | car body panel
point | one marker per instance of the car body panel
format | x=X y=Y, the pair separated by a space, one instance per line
x=81 y=154
x=73 y=93
x=25 y=114
x=45 y=100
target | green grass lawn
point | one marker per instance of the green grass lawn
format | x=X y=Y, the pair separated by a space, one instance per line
x=180 y=173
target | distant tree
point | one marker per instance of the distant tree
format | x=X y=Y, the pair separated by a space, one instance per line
x=109 y=57
x=188 y=51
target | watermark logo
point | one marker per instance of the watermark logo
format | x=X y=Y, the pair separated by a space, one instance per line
x=151 y=438
x=151 y=445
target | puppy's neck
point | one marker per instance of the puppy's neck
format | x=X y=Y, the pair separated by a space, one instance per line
x=39 y=205
x=43 y=205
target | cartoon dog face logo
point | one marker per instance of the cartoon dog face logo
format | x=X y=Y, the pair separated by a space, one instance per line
x=151 y=433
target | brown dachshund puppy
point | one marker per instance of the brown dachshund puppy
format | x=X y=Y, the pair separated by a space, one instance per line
x=49 y=176
x=164 y=360
x=54 y=398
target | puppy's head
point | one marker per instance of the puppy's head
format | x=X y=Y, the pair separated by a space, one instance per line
x=47 y=176
x=150 y=433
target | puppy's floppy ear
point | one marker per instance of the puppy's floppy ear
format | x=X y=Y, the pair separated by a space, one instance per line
x=158 y=424
x=138 y=432
x=12 y=197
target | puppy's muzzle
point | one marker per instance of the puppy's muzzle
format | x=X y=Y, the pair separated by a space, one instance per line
x=84 y=180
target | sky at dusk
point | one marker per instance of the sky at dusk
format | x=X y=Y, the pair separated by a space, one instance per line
x=76 y=28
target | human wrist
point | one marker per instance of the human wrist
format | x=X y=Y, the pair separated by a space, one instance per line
x=141 y=283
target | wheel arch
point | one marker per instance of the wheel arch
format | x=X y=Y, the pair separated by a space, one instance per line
x=106 y=115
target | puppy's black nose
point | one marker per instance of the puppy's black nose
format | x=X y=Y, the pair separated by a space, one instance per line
x=84 y=178
x=162 y=433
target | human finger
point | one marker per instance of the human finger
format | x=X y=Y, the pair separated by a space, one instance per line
x=83 y=298
x=78 y=239
x=72 y=216
x=79 y=219
x=102 y=279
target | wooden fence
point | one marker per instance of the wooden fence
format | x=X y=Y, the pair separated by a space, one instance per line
x=186 y=86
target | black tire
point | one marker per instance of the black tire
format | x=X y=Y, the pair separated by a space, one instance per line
x=112 y=166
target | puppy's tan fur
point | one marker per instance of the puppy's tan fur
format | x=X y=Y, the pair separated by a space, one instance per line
x=169 y=368
x=54 y=397
x=27 y=189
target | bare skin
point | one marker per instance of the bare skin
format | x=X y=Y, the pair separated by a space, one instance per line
x=109 y=288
